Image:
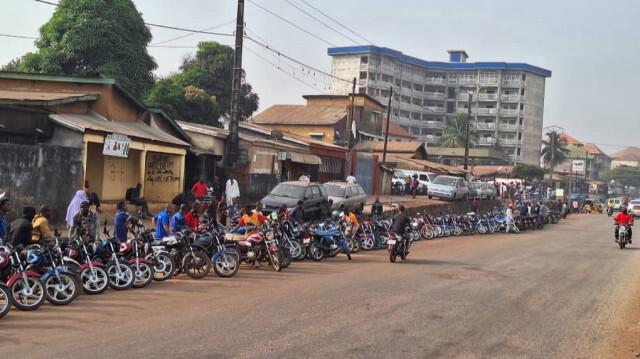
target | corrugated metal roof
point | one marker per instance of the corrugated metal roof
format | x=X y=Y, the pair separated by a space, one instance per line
x=395 y=130
x=378 y=146
x=95 y=122
x=300 y=115
x=17 y=96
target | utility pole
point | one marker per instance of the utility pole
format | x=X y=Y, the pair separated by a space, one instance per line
x=386 y=131
x=466 y=145
x=350 y=116
x=234 y=122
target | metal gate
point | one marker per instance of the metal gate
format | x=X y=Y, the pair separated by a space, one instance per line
x=364 y=172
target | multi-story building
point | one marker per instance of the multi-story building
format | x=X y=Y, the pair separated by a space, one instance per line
x=506 y=99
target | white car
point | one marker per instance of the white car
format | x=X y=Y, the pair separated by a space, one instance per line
x=449 y=188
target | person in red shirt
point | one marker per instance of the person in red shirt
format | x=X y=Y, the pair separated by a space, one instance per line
x=623 y=219
x=199 y=190
x=193 y=217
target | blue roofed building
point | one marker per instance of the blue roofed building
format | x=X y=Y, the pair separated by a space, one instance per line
x=506 y=99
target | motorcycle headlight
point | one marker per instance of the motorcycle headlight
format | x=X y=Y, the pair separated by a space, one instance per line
x=270 y=236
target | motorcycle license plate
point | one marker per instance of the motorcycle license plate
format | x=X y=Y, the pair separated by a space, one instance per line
x=391 y=242
x=306 y=240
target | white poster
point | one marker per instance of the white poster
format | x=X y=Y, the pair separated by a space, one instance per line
x=577 y=166
x=116 y=145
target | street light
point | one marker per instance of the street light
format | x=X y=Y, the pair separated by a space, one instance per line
x=466 y=145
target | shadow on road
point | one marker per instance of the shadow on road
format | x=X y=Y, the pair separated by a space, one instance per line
x=431 y=262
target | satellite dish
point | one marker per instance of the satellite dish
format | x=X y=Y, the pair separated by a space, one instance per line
x=276 y=135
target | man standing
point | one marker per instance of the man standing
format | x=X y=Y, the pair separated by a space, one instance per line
x=193 y=217
x=162 y=221
x=217 y=187
x=199 y=190
x=351 y=178
x=509 y=218
x=5 y=207
x=376 y=208
x=120 y=225
x=41 y=224
x=304 y=178
x=543 y=214
x=86 y=222
x=232 y=190
x=133 y=196
x=178 y=221
x=20 y=229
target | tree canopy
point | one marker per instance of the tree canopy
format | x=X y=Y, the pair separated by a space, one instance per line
x=554 y=151
x=527 y=171
x=95 y=37
x=625 y=176
x=185 y=103
x=454 y=134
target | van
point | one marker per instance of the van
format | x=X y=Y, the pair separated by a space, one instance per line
x=617 y=203
x=425 y=179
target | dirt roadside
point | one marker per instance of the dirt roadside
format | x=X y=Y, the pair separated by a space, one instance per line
x=625 y=340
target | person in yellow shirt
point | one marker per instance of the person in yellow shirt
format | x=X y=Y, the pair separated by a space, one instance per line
x=40 y=223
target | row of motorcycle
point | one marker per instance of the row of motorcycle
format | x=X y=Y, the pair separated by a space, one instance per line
x=60 y=269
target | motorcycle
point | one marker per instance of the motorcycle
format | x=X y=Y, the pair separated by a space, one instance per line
x=61 y=284
x=623 y=236
x=260 y=245
x=5 y=299
x=324 y=243
x=153 y=250
x=26 y=290
x=225 y=263
x=120 y=274
x=397 y=246
x=93 y=276
x=141 y=266
x=189 y=257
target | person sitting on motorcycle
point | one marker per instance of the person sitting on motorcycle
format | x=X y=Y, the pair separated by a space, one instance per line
x=353 y=224
x=400 y=223
x=248 y=218
x=193 y=217
x=623 y=219
x=297 y=214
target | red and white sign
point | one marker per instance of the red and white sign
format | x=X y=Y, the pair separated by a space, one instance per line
x=577 y=166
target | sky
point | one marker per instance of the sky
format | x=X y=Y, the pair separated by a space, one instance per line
x=590 y=46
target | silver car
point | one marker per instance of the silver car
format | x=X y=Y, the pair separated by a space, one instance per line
x=347 y=195
x=449 y=188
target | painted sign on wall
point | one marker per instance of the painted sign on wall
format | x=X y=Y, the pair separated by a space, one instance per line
x=116 y=145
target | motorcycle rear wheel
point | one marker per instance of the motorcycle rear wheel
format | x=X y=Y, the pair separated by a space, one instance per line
x=61 y=289
x=315 y=252
x=285 y=255
x=163 y=268
x=144 y=274
x=367 y=243
x=94 y=283
x=392 y=256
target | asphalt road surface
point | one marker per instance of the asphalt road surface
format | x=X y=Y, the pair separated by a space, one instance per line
x=541 y=294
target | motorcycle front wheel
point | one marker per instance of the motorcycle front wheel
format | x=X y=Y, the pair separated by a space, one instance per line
x=226 y=265
x=197 y=265
x=143 y=273
x=120 y=275
x=96 y=282
x=29 y=296
x=5 y=301
x=315 y=252
x=61 y=289
x=163 y=266
x=276 y=260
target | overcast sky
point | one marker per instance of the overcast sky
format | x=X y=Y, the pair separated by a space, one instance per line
x=591 y=46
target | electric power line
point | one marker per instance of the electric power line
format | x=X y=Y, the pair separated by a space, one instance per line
x=278 y=67
x=318 y=20
x=337 y=22
x=296 y=61
x=183 y=36
x=290 y=23
x=19 y=36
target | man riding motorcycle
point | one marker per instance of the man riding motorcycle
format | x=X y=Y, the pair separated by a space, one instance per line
x=623 y=219
x=400 y=222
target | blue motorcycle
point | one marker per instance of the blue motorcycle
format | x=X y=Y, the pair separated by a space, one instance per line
x=61 y=285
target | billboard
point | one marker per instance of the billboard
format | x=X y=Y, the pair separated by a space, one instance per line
x=577 y=166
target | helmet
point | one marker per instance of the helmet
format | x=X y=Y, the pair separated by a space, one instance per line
x=335 y=214
x=415 y=175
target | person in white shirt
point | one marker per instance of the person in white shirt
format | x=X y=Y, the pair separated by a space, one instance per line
x=509 y=219
x=232 y=190
x=351 y=179
x=304 y=178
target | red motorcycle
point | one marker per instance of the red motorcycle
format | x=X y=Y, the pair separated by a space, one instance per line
x=260 y=246
x=25 y=287
x=143 y=268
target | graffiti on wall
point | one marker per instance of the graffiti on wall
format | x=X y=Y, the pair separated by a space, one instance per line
x=116 y=173
x=161 y=169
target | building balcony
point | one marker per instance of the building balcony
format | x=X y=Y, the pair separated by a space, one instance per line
x=489 y=82
x=510 y=141
x=467 y=81
x=404 y=121
x=405 y=91
x=510 y=112
x=433 y=109
x=364 y=67
x=463 y=97
x=417 y=78
x=486 y=141
x=390 y=70
x=512 y=83
x=407 y=76
x=373 y=67
x=405 y=106
x=434 y=81
x=362 y=82
x=464 y=110
x=515 y=158
x=433 y=124
x=486 y=111
x=486 y=126
x=488 y=97
x=507 y=127
x=511 y=98
x=434 y=95
x=415 y=107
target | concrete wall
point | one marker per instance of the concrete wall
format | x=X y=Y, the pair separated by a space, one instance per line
x=118 y=174
x=37 y=175
x=162 y=176
x=532 y=122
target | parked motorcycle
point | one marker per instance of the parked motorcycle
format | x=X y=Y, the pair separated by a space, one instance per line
x=93 y=275
x=189 y=257
x=62 y=285
x=260 y=245
x=120 y=274
x=141 y=266
x=25 y=287
x=327 y=242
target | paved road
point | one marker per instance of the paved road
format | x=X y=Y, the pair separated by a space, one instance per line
x=534 y=295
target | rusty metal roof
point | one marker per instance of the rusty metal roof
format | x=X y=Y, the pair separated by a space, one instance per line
x=138 y=130
x=300 y=115
x=48 y=98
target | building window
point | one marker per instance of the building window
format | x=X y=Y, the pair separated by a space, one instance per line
x=364 y=59
x=363 y=75
x=317 y=136
x=362 y=90
x=375 y=115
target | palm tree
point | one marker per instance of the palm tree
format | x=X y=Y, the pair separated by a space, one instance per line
x=554 y=152
x=454 y=133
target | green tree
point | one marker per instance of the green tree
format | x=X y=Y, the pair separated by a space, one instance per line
x=454 y=134
x=626 y=176
x=188 y=103
x=527 y=171
x=554 y=151
x=95 y=37
x=211 y=69
x=13 y=65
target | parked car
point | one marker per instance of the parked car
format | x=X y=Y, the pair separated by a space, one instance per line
x=491 y=191
x=617 y=202
x=289 y=193
x=397 y=182
x=449 y=188
x=424 y=178
x=634 y=208
x=475 y=190
x=349 y=195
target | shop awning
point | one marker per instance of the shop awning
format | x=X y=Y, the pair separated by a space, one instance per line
x=200 y=151
x=306 y=158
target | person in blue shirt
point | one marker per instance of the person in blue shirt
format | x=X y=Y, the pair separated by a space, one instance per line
x=178 y=221
x=162 y=221
x=120 y=228
x=5 y=207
